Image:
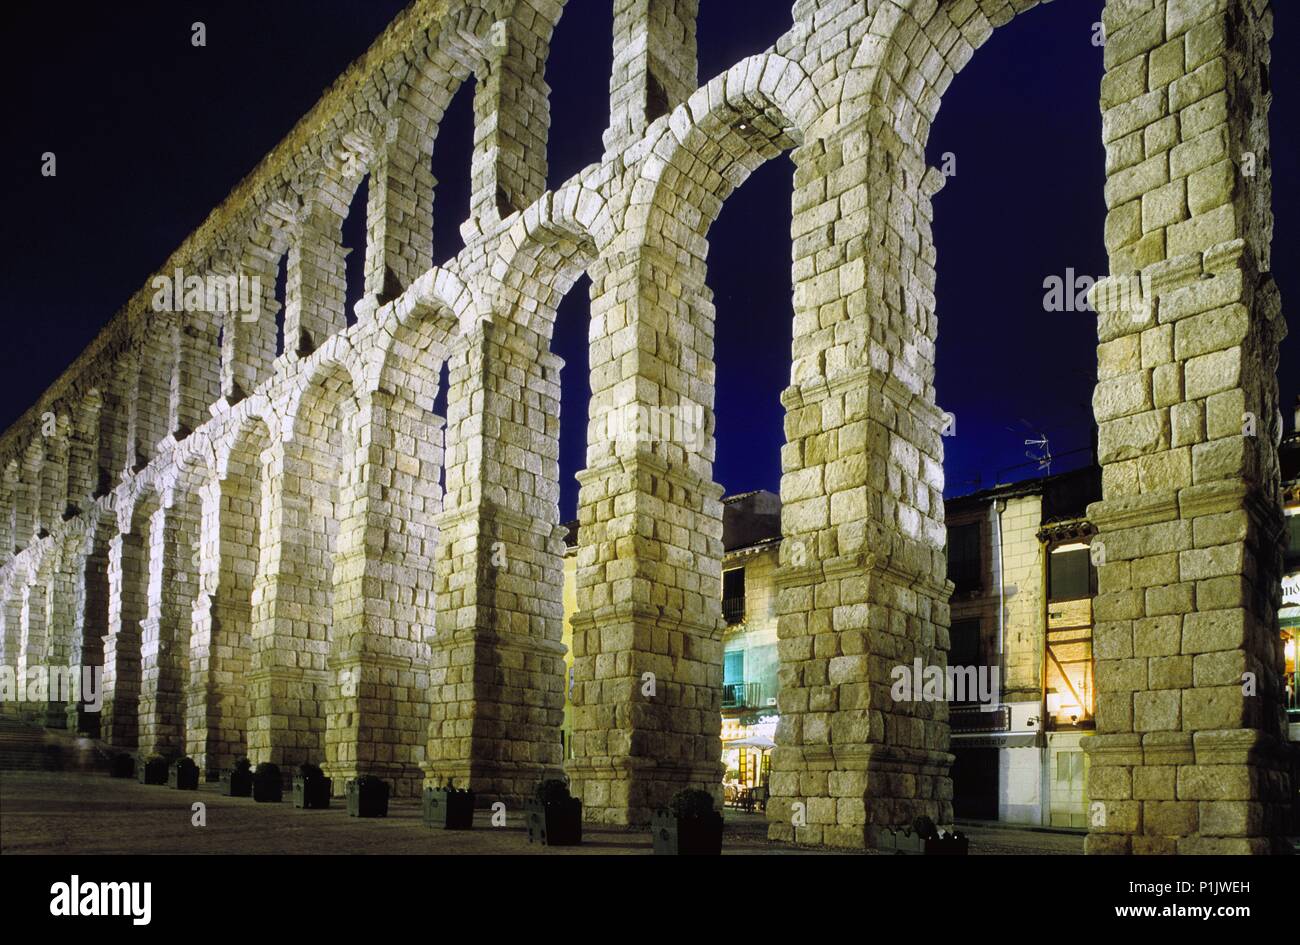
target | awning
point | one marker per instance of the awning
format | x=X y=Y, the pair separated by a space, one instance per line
x=761 y=742
x=1011 y=740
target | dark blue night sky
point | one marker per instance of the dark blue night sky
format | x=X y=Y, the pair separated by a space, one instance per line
x=151 y=133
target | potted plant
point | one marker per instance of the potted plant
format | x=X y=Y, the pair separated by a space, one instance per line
x=448 y=808
x=368 y=797
x=183 y=775
x=238 y=781
x=554 y=817
x=690 y=827
x=153 y=771
x=267 y=786
x=122 y=766
x=311 y=789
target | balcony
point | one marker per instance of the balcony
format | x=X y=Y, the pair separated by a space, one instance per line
x=733 y=610
x=741 y=695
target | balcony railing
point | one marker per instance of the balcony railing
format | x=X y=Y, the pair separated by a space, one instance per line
x=733 y=610
x=741 y=695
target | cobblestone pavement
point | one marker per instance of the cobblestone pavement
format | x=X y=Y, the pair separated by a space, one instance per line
x=81 y=813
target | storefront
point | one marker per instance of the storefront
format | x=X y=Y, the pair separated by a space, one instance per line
x=747 y=744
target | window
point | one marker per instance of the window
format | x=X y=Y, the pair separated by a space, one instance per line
x=733 y=679
x=965 y=638
x=733 y=667
x=1069 y=574
x=733 y=595
x=964 y=565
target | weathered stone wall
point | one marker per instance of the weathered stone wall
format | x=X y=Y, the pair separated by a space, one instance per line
x=302 y=565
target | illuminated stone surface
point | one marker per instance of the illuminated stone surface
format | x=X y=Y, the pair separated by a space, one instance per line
x=258 y=549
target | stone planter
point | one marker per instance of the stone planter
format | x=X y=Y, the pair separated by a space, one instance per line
x=688 y=836
x=153 y=771
x=367 y=797
x=906 y=842
x=556 y=824
x=237 y=782
x=122 y=766
x=268 y=788
x=448 y=809
x=312 y=793
x=183 y=775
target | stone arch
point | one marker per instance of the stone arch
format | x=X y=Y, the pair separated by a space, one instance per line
x=130 y=563
x=650 y=447
x=218 y=710
x=302 y=620
x=90 y=616
x=544 y=252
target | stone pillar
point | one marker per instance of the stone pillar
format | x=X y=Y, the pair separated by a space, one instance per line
x=511 y=119
x=9 y=487
x=286 y=685
x=114 y=428
x=862 y=582
x=316 y=292
x=196 y=385
x=383 y=592
x=10 y=642
x=27 y=497
x=165 y=640
x=655 y=65
x=399 y=217
x=647 y=636
x=62 y=604
x=90 y=625
x=54 y=473
x=155 y=364
x=33 y=648
x=1190 y=751
x=11 y=628
x=127 y=607
x=497 y=662
x=83 y=474
x=248 y=335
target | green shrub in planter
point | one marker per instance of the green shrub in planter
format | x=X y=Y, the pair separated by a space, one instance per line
x=154 y=771
x=690 y=827
x=448 y=808
x=238 y=781
x=122 y=766
x=368 y=797
x=311 y=789
x=267 y=786
x=554 y=817
x=183 y=775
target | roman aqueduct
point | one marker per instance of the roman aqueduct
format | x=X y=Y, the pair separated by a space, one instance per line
x=259 y=549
